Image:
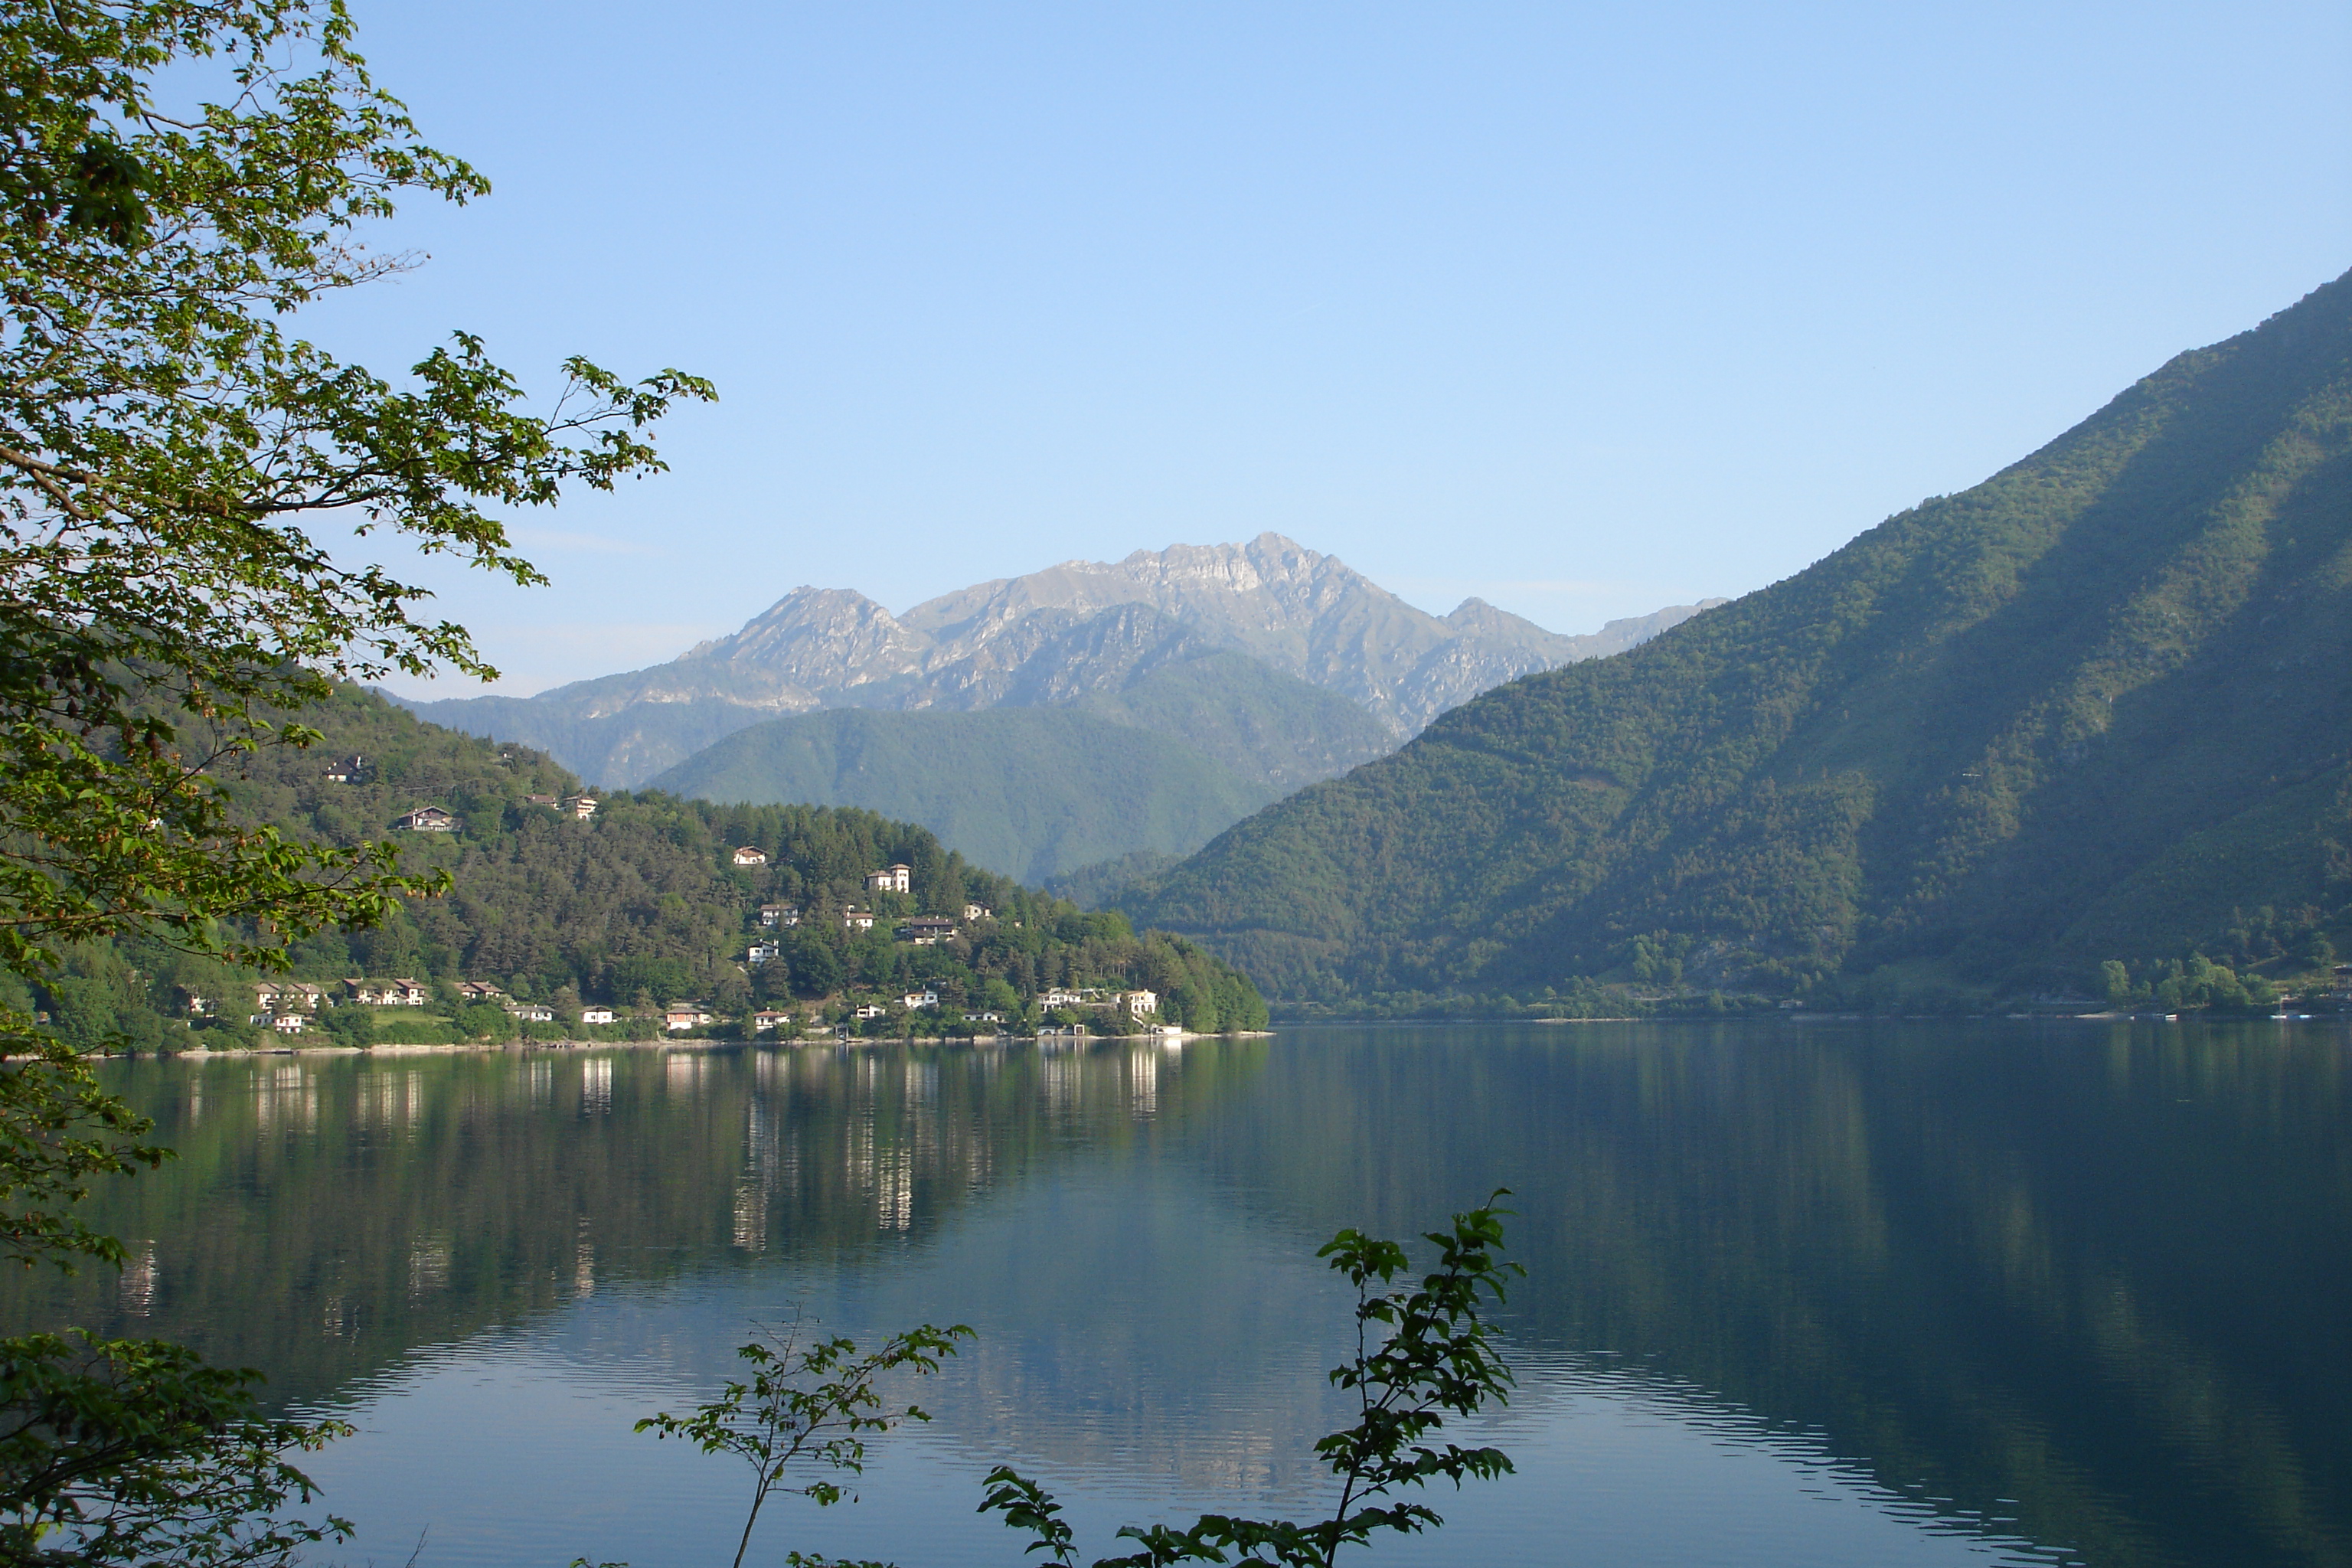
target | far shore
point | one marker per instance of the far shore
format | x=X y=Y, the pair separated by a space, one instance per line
x=1173 y=1038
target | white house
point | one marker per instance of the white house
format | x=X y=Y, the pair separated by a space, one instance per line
x=761 y=951
x=978 y=912
x=1060 y=996
x=927 y=931
x=858 y=919
x=870 y=1010
x=680 y=1016
x=1140 y=1004
x=920 y=999
x=288 y=1023
x=765 y=1020
x=984 y=1018
x=772 y=915
x=896 y=880
x=530 y=1013
x=427 y=819
x=595 y=1015
x=750 y=854
x=582 y=806
x=289 y=996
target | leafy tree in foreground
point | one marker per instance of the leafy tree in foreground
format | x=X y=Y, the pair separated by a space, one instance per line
x=1423 y=1352
x=179 y=177
x=813 y=1401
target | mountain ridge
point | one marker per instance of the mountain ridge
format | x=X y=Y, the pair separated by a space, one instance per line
x=1056 y=636
x=2095 y=709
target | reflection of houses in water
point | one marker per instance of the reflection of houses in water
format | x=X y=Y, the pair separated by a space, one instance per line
x=771 y=1162
x=428 y=1266
x=285 y=1096
x=682 y=1072
x=392 y=1099
x=1143 y=1082
x=1060 y=1075
x=583 y=1260
x=136 y=1289
x=596 y=1085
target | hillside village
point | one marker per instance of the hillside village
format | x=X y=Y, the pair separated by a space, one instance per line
x=634 y=916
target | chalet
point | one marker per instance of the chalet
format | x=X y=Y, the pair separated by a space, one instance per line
x=427 y=819
x=530 y=1013
x=896 y=880
x=479 y=991
x=761 y=951
x=680 y=1016
x=920 y=999
x=595 y=1015
x=978 y=912
x=288 y=1023
x=347 y=771
x=582 y=806
x=870 y=1010
x=289 y=996
x=772 y=915
x=767 y=1019
x=858 y=919
x=1140 y=1004
x=927 y=931
x=386 y=993
x=750 y=854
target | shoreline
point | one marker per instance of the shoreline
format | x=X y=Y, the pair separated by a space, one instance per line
x=800 y=1042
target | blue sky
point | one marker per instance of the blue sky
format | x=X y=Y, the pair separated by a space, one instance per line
x=1581 y=309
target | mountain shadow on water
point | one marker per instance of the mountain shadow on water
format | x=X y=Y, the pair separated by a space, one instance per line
x=2087 y=1283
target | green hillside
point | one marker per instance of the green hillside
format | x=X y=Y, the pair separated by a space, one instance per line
x=1034 y=791
x=1271 y=729
x=639 y=905
x=2098 y=708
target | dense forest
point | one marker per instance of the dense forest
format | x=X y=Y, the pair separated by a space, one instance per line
x=637 y=906
x=2083 y=731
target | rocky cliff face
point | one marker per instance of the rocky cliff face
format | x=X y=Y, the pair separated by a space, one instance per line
x=1081 y=630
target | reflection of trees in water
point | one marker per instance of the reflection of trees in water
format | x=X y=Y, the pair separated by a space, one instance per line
x=2100 y=1274
x=328 y=1214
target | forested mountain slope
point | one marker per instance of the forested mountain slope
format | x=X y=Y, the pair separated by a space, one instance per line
x=643 y=903
x=2098 y=708
x=1031 y=792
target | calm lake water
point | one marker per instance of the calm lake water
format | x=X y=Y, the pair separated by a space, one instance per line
x=1798 y=1293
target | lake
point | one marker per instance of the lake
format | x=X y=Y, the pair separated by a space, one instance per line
x=1799 y=1292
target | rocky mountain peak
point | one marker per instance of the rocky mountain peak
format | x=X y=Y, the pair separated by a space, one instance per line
x=1075 y=632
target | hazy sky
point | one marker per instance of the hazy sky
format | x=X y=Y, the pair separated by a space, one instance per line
x=1582 y=309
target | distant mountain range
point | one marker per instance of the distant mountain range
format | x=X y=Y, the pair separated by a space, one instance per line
x=1271 y=664
x=2098 y=710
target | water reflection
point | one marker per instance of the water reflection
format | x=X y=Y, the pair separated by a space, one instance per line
x=2049 y=1295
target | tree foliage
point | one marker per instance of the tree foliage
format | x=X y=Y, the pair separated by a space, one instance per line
x=811 y=1400
x=1423 y=1352
x=181 y=178
x=136 y=1451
